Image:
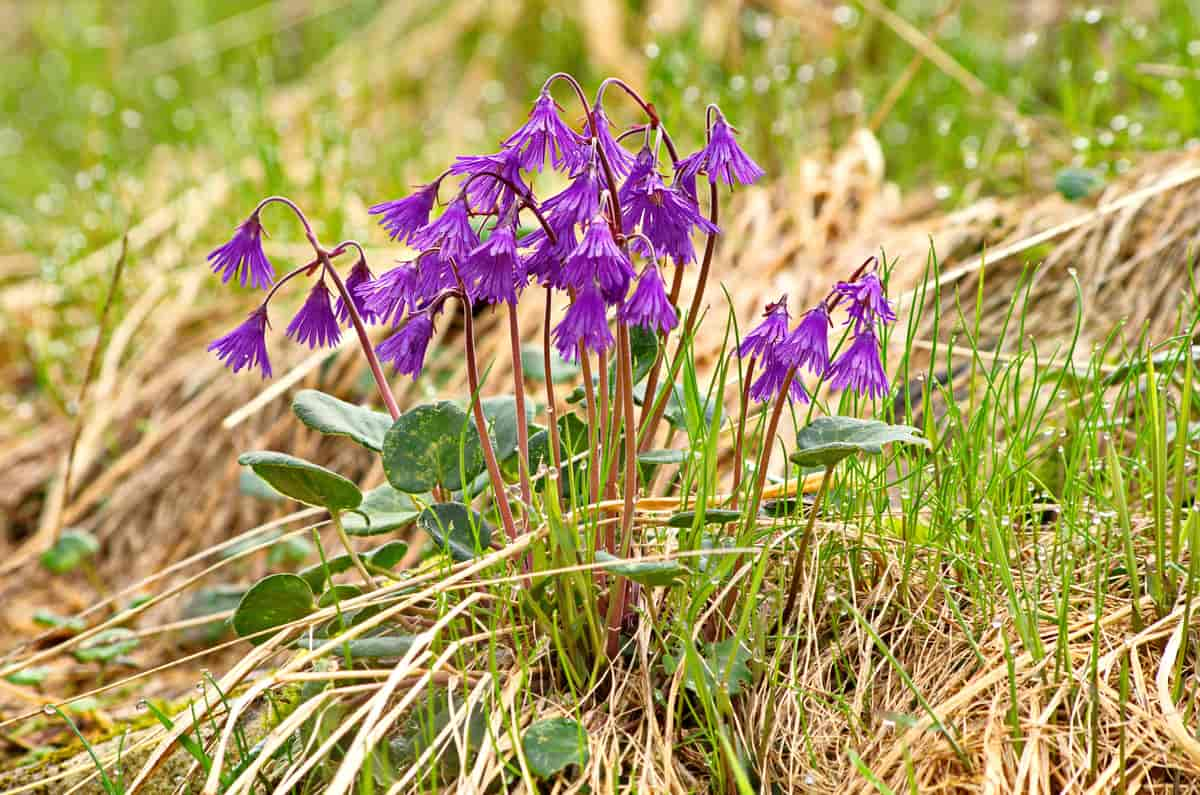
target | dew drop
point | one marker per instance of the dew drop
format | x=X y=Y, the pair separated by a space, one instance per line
x=142 y=704
x=50 y=709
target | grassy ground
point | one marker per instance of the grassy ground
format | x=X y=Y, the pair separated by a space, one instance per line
x=1012 y=609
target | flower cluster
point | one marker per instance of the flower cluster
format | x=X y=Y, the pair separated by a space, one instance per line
x=783 y=354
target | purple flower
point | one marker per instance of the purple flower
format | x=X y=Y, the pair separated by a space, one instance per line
x=721 y=158
x=360 y=275
x=545 y=133
x=667 y=217
x=860 y=367
x=315 y=325
x=580 y=200
x=545 y=262
x=387 y=296
x=598 y=259
x=406 y=348
x=403 y=217
x=868 y=302
x=434 y=274
x=618 y=158
x=585 y=323
x=768 y=385
x=493 y=270
x=243 y=256
x=246 y=345
x=763 y=338
x=452 y=232
x=808 y=344
x=649 y=306
x=487 y=194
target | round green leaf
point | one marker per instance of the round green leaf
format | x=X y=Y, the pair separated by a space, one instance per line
x=382 y=647
x=335 y=417
x=388 y=510
x=272 y=602
x=651 y=573
x=422 y=449
x=71 y=549
x=303 y=481
x=711 y=516
x=28 y=677
x=107 y=646
x=534 y=366
x=460 y=532
x=338 y=593
x=501 y=413
x=553 y=744
x=643 y=345
x=827 y=440
x=47 y=618
x=388 y=555
x=252 y=485
x=1076 y=183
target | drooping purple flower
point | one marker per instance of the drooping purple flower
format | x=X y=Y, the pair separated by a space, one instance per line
x=545 y=133
x=599 y=260
x=487 y=194
x=770 y=382
x=360 y=275
x=584 y=323
x=808 y=344
x=315 y=325
x=762 y=339
x=493 y=271
x=580 y=200
x=667 y=217
x=868 y=302
x=434 y=274
x=545 y=262
x=388 y=296
x=243 y=257
x=403 y=217
x=452 y=232
x=406 y=348
x=649 y=306
x=618 y=157
x=246 y=345
x=721 y=158
x=860 y=367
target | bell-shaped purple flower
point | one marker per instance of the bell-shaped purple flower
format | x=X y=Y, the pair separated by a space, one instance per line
x=433 y=275
x=618 y=157
x=243 y=257
x=762 y=339
x=868 y=302
x=545 y=262
x=721 y=158
x=667 y=217
x=544 y=133
x=599 y=260
x=246 y=345
x=493 y=270
x=860 y=367
x=649 y=306
x=487 y=194
x=406 y=348
x=585 y=324
x=403 y=217
x=315 y=325
x=388 y=296
x=770 y=382
x=451 y=232
x=807 y=346
x=360 y=275
x=579 y=201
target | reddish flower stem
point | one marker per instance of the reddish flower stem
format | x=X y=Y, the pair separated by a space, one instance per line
x=618 y=597
x=551 y=404
x=514 y=334
x=768 y=443
x=738 y=463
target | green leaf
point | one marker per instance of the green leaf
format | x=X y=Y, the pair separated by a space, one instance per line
x=552 y=745
x=107 y=646
x=335 y=417
x=388 y=555
x=1076 y=183
x=421 y=450
x=501 y=413
x=272 y=602
x=827 y=440
x=651 y=573
x=675 y=412
x=534 y=368
x=338 y=593
x=1161 y=360
x=28 y=677
x=388 y=510
x=663 y=457
x=303 y=481
x=711 y=516
x=289 y=552
x=460 y=532
x=47 y=618
x=208 y=601
x=643 y=345
x=723 y=665
x=252 y=485
x=382 y=647
x=71 y=549
x=382 y=557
